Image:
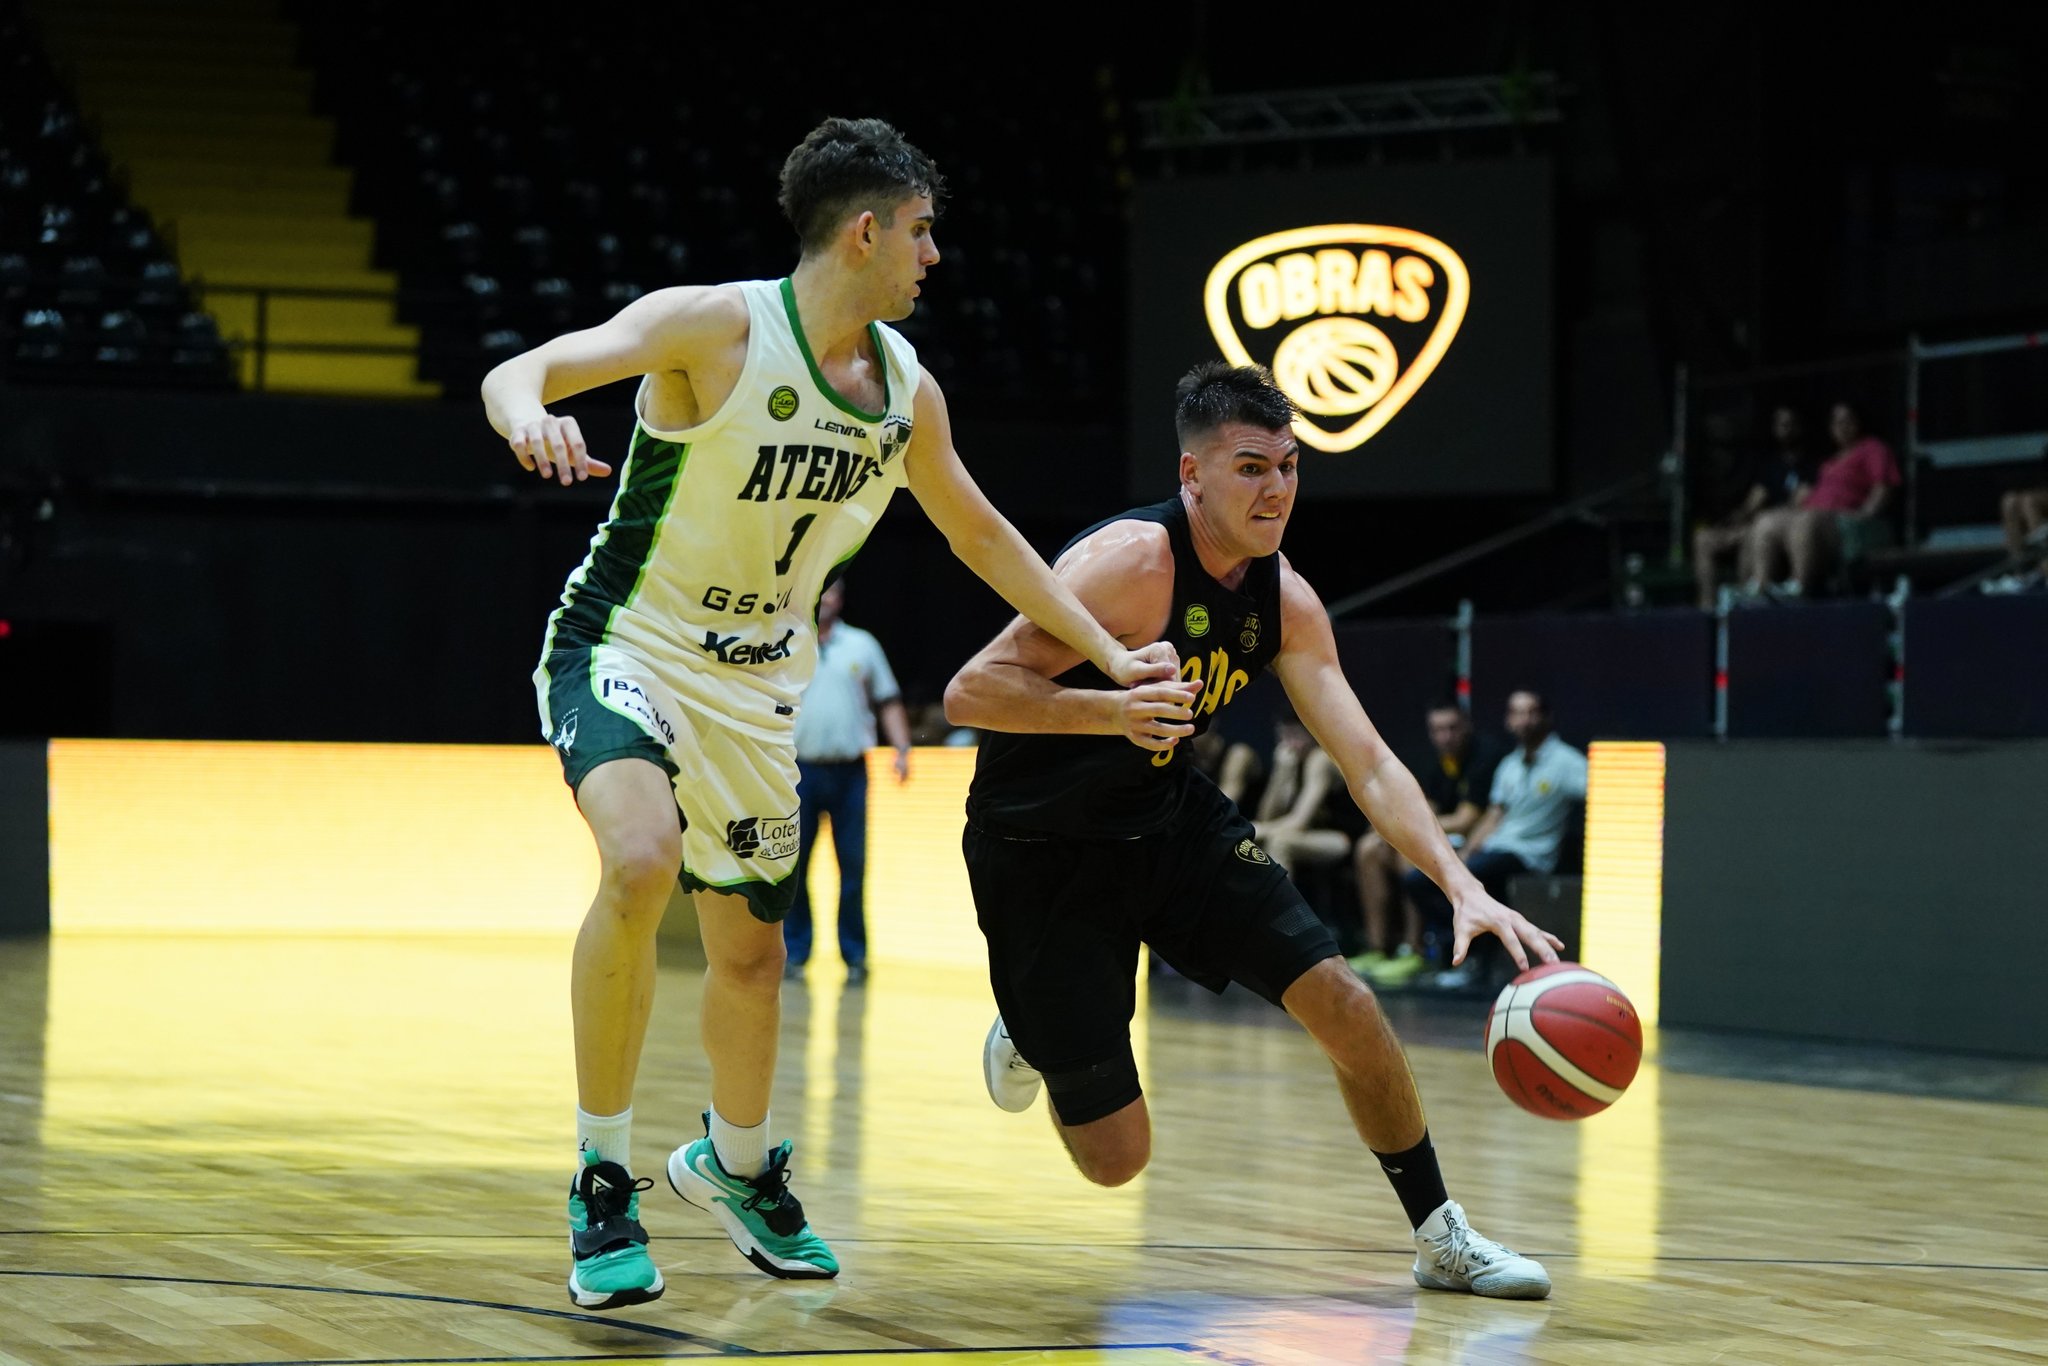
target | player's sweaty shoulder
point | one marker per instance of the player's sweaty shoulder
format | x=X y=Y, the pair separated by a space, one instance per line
x=1123 y=572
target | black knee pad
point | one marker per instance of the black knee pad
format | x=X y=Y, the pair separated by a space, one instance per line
x=1082 y=1095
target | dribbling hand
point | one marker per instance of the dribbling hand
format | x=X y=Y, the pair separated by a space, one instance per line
x=553 y=448
x=1480 y=914
x=1159 y=715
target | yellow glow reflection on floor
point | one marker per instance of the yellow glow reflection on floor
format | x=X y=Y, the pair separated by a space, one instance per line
x=1620 y=1189
x=344 y=1050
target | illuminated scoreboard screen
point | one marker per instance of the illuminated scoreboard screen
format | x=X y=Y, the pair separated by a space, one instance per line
x=1405 y=309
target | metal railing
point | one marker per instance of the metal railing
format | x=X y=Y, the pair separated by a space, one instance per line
x=1573 y=510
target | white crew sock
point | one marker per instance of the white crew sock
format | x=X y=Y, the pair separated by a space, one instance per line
x=743 y=1152
x=609 y=1136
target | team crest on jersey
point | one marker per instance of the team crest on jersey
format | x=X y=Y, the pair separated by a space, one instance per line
x=1196 y=619
x=782 y=403
x=895 y=436
x=1248 y=638
x=1251 y=853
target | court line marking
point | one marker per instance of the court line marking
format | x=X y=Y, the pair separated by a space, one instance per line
x=1184 y=1348
x=915 y=1242
x=670 y=1334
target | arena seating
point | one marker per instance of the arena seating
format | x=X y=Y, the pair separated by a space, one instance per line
x=88 y=291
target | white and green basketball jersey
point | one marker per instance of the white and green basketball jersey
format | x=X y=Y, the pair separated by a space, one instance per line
x=721 y=537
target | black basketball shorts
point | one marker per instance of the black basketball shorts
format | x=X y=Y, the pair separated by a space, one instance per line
x=1064 y=917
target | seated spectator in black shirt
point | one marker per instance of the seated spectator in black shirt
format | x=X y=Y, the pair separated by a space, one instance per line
x=1457 y=785
x=1774 y=480
x=1300 y=819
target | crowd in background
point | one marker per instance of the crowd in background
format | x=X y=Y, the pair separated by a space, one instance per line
x=1786 y=524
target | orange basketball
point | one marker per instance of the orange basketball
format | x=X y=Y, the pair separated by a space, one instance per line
x=1563 y=1041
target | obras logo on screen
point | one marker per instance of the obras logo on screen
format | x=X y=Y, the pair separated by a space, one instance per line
x=1316 y=305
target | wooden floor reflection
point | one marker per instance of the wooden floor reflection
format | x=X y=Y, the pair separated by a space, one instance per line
x=278 y=1150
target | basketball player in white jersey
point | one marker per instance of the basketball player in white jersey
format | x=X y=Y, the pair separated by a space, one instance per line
x=776 y=419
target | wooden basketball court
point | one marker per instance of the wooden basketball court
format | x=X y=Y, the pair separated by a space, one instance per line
x=243 y=1149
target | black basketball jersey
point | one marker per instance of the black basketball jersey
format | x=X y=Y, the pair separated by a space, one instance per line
x=1103 y=786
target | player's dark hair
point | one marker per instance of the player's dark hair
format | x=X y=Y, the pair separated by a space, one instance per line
x=1444 y=704
x=844 y=166
x=1216 y=392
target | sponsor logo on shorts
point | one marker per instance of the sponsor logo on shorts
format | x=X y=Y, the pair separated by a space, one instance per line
x=1251 y=853
x=763 y=837
x=782 y=403
x=628 y=696
x=729 y=650
x=1196 y=619
x=564 y=737
x=1248 y=638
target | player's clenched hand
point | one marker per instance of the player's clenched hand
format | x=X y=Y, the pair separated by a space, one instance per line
x=553 y=447
x=1157 y=660
x=1159 y=715
x=1479 y=913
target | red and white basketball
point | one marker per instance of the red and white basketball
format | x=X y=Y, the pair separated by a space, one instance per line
x=1563 y=1041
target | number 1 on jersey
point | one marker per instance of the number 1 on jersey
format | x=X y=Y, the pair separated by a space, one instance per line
x=796 y=534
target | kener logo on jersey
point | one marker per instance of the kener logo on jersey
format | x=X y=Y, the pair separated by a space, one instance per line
x=1352 y=318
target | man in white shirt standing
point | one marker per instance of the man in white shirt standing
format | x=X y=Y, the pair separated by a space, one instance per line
x=1534 y=790
x=835 y=728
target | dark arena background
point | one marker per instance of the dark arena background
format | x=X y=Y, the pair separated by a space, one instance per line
x=1572 y=298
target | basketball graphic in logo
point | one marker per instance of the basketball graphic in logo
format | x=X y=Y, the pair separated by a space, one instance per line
x=1352 y=318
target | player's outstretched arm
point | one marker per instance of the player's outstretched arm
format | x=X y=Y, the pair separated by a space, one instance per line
x=986 y=542
x=1379 y=782
x=1123 y=576
x=656 y=333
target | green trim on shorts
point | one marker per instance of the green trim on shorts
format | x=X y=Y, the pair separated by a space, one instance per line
x=767 y=902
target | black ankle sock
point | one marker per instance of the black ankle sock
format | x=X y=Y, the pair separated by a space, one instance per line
x=1416 y=1179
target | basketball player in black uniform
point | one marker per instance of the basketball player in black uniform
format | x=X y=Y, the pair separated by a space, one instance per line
x=1090 y=831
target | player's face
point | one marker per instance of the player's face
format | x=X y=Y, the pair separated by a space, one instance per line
x=1247 y=485
x=904 y=251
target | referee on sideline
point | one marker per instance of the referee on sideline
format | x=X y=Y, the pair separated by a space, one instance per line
x=834 y=731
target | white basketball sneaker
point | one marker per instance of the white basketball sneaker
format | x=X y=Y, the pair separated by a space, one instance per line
x=1450 y=1255
x=1012 y=1082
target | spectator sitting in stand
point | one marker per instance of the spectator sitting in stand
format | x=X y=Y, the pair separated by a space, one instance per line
x=1458 y=785
x=1232 y=765
x=1299 y=821
x=1774 y=480
x=1524 y=825
x=2025 y=514
x=1841 y=518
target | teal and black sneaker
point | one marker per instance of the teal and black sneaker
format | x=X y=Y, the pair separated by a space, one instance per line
x=610 y=1265
x=763 y=1219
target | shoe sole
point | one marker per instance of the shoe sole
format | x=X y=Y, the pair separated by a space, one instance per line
x=617 y=1299
x=1509 y=1290
x=742 y=1236
x=992 y=1076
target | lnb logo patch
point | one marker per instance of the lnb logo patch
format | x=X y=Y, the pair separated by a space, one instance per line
x=1352 y=318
